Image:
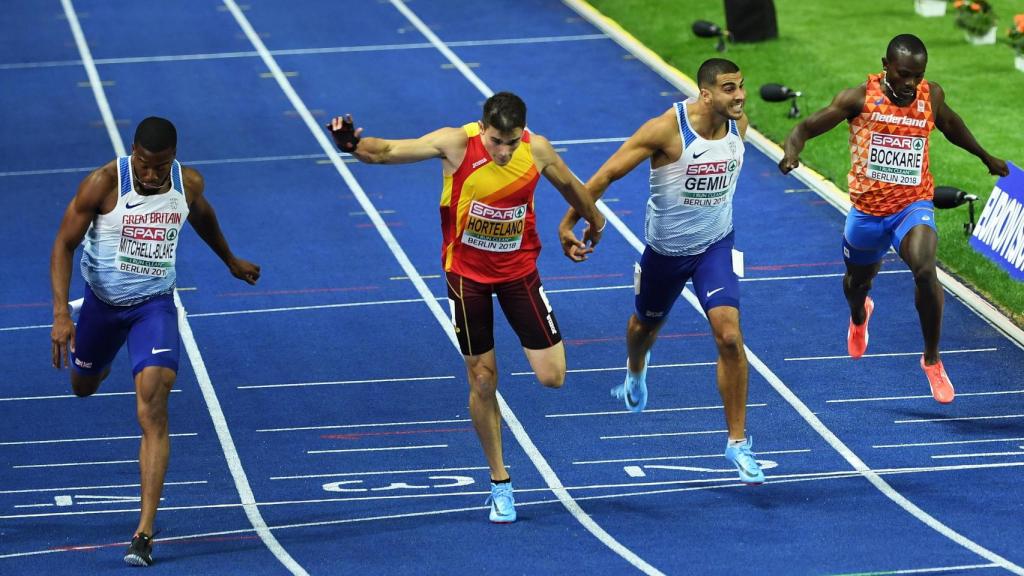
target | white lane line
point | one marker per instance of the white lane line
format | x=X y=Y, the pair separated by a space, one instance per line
x=650 y=411
x=96 y=439
x=704 y=484
x=375 y=424
x=298 y=308
x=623 y=367
x=978 y=455
x=252 y=159
x=550 y=478
x=66 y=464
x=379 y=473
x=301 y=51
x=949 y=443
x=345 y=382
x=958 y=418
x=101 y=487
x=203 y=378
x=890 y=354
x=812 y=276
x=686 y=457
x=687 y=86
x=917 y=397
x=385 y=449
x=68 y=396
x=933 y=570
x=661 y=434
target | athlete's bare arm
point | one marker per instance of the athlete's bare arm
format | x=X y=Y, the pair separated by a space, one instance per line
x=448 y=144
x=96 y=194
x=204 y=221
x=955 y=130
x=551 y=165
x=654 y=137
x=846 y=105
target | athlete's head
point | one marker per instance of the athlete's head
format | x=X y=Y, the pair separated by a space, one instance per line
x=153 y=149
x=903 y=67
x=721 y=87
x=503 y=122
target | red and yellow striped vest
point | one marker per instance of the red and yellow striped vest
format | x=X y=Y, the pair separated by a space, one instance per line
x=487 y=218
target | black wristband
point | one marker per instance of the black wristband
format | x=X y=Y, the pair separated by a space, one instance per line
x=345 y=137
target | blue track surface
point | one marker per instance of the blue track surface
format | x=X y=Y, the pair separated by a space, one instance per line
x=332 y=391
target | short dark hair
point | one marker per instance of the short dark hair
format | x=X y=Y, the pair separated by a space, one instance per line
x=905 y=44
x=708 y=73
x=156 y=134
x=505 y=112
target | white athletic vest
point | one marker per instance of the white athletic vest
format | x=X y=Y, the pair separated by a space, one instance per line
x=129 y=253
x=690 y=206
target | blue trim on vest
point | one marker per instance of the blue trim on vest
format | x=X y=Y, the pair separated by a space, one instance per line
x=124 y=175
x=688 y=135
x=734 y=127
x=176 y=177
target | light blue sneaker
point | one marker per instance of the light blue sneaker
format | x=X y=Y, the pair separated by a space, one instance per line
x=503 y=504
x=634 y=390
x=742 y=457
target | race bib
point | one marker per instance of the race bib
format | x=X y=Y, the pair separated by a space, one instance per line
x=148 y=242
x=896 y=159
x=494 y=229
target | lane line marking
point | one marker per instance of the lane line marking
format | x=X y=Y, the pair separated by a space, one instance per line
x=889 y=354
x=342 y=426
x=651 y=411
x=385 y=449
x=96 y=439
x=928 y=396
x=345 y=382
x=949 y=443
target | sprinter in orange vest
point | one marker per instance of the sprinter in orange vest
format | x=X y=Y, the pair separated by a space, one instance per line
x=891 y=188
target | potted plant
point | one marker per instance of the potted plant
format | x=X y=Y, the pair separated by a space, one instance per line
x=977 y=20
x=1016 y=37
x=930 y=8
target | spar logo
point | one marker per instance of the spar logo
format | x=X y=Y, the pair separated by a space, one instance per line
x=492 y=213
x=898 y=142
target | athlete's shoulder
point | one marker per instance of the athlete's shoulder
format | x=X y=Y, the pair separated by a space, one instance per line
x=104 y=177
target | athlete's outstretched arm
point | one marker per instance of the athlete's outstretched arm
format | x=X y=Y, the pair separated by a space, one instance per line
x=569 y=186
x=955 y=130
x=651 y=137
x=441 y=143
x=77 y=217
x=844 y=106
x=204 y=221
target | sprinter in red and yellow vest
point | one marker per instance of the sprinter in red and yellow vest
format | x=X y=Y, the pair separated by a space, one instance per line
x=490 y=246
x=891 y=188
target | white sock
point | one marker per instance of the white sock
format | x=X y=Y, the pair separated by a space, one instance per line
x=733 y=443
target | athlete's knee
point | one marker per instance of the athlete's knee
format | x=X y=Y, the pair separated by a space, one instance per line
x=553 y=378
x=85 y=385
x=925 y=274
x=482 y=380
x=152 y=416
x=729 y=341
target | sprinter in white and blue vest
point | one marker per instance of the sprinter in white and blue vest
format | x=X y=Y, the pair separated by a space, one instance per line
x=130 y=213
x=695 y=150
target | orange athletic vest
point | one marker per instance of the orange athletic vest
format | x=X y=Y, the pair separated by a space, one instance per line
x=487 y=218
x=889 y=151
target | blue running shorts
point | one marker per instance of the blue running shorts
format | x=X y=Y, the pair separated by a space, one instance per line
x=867 y=238
x=150 y=328
x=659 y=280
